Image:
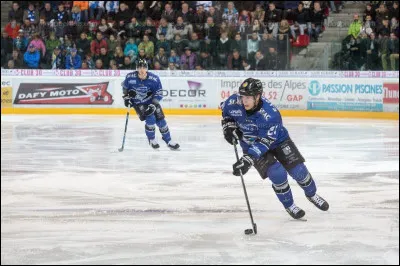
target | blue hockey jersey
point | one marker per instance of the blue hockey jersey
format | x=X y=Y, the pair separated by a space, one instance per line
x=262 y=130
x=146 y=90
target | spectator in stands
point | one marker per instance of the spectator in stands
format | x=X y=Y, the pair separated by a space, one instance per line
x=118 y=56
x=84 y=8
x=43 y=29
x=205 y=61
x=105 y=57
x=16 y=13
x=235 y=61
x=67 y=45
x=369 y=51
x=47 y=13
x=393 y=48
x=131 y=49
x=180 y=28
x=253 y=45
x=99 y=64
x=369 y=25
x=113 y=42
x=301 y=18
x=384 y=29
x=168 y=14
x=178 y=44
x=266 y=42
x=225 y=28
x=283 y=51
x=147 y=46
x=38 y=43
x=112 y=8
x=71 y=29
x=76 y=15
x=188 y=60
x=284 y=27
x=10 y=65
x=133 y=29
x=57 y=60
x=12 y=28
x=16 y=57
x=369 y=11
x=239 y=45
x=230 y=14
x=246 y=65
x=187 y=16
x=140 y=13
x=355 y=26
x=51 y=43
x=245 y=16
x=32 y=14
x=98 y=43
x=395 y=27
x=394 y=11
x=113 y=65
x=258 y=14
x=317 y=18
x=28 y=28
x=210 y=30
x=32 y=57
x=6 y=47
x=272 y=19
x=83 y=45
x=164 y=44
x=73 y=60
x=161 y=58
x=21 y=42
x=96 y=9
x=382 y=13
x=355 y=53
x=89 y=61
x=174 y=59
x=124 y=14
x=61 y=15
x=243 y=29
x=166 y=29
x=256 y=26
x=215 y=15
x=150 y=30
x=260 y=62
x=127 y=63
x=171 y=66
x=195 y=44
x=223 y=49
x=200 y=18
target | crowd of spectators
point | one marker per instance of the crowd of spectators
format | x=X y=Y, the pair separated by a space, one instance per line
x=373 y=39
x=189 y=35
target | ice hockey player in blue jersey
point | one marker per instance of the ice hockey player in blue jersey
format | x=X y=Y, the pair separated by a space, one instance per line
x=253 y=121
x=142 y=90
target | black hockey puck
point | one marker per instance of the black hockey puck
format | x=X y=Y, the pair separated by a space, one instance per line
x=248 y=231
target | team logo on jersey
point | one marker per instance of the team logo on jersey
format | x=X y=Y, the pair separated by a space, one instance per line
x=235 y=113
x=132 y=81
x=287 y=150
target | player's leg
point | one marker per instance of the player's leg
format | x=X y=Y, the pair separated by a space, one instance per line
x=290 y=157
x=163 y=127
x=268 y=166
x=150 y=125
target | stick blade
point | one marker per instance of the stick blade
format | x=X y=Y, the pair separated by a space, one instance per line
x=120 y=149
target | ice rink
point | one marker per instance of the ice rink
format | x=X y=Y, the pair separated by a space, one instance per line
x=69 y=197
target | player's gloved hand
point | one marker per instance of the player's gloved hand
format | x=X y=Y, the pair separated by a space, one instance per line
x=231 y=131
x=132 y=93
x=150 y=109
x=126 y=100
x=244 y=164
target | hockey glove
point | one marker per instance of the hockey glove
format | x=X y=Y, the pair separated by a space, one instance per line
x=150 y=109
x=244 y=164
x=231 y=132
x=126 y=100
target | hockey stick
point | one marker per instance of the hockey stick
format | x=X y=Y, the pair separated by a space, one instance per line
x=126 y=126
x=254 y=225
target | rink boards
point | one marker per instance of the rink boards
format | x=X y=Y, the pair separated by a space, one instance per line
x=296 y=93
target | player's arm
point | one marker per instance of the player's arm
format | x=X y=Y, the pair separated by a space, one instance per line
x=157 y=91
x=127 y=93
x=231 y=131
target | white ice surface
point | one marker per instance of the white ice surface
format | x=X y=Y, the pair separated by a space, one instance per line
x=69 y=197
